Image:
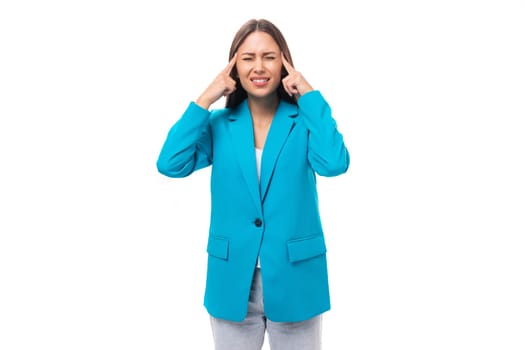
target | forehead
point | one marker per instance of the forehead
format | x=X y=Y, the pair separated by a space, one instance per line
x=258 y=42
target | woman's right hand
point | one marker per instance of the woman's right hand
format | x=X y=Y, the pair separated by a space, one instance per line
x=223 y=85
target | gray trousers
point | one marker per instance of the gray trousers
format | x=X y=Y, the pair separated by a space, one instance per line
x=249 y=334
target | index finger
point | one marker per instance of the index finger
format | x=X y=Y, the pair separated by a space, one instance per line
x=231 y=64
x=286 y=64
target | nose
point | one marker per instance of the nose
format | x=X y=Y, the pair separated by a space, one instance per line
x=258 y=65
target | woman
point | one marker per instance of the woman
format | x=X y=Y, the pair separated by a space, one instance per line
x=267 y=269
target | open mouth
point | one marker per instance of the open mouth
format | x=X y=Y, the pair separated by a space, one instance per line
x=260 y=81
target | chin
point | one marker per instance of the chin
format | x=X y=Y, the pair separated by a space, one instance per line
x=263 y=93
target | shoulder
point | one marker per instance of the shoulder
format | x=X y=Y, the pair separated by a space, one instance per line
x=218 y=115
x=220 y=112
x=313 y=97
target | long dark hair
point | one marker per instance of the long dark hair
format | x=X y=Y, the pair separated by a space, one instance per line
x=261 y=25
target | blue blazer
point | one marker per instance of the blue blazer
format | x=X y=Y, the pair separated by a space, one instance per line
x=277 y=219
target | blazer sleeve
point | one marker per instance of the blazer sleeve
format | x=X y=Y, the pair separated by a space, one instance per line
x=327 y=152
x=188 y=146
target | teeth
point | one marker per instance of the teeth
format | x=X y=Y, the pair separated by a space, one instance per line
x=259 y=80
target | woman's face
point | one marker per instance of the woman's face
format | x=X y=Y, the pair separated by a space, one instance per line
x=259 y=65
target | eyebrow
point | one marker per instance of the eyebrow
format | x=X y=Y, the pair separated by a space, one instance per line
x=264 y=53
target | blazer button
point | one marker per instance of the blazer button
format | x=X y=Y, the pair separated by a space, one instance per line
x=258 y=222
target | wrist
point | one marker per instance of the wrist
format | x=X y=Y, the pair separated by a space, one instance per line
x=203 y=102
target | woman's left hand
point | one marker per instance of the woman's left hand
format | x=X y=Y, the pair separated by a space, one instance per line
x=294 y=83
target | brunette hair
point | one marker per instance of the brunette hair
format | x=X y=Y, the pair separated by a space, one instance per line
x=260 y=25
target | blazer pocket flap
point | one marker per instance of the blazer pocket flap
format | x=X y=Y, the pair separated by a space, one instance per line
x=218 y=247
x=306 y=248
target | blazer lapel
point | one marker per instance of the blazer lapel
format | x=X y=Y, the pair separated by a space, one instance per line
x=241 y=129
x=282 y=124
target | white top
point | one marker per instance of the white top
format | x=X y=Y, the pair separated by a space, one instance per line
x=258 y=156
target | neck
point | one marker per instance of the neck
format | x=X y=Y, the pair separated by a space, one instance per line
x=264 y=108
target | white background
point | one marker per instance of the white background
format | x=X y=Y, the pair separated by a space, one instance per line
x=425 y=232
